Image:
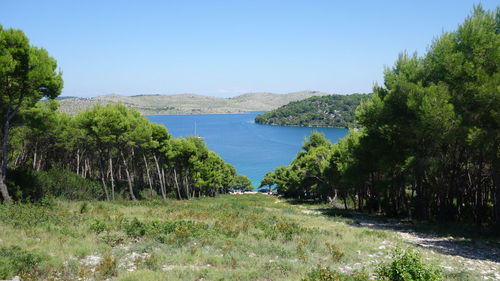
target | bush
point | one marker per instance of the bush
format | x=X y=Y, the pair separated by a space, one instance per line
x=107 y=267
x=16 y=261
x=33 y=215
x=98 y=226
x=112 y=238
x=335 y=252
x=407 y=266
x=149 y=194
x=325 y=274
x=30 y=186
x=165 y=231
x=23 y=185
x=65 y=184
x=135 y=228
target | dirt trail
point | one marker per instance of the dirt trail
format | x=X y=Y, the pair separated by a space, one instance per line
x=462 y=254
x=480 y=257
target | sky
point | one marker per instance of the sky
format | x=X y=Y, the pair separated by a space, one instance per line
x=227 y=48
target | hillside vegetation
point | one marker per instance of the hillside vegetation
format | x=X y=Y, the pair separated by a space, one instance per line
x=319 y=111
x=428 y=142
x=117 y=151
x=189 y=103
x=231 y=237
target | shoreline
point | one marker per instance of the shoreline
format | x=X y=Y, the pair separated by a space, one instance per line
x=309 y=126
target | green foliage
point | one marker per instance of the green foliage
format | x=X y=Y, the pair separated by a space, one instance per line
x=325 y=111
x=335 y=252
x=23 y=185
x=68 y=185
x=98 y=226
x=241 y=182
x=428 y=137
x=27 y=74
x=325 y=274
x=214 y=237
x=107 y=152
x=111 y=238
x=24 y=216
x=134 y=228
x=309 y=175
x=407 y=266
x=84 y=207
x=28 y=185
x=274 y=228
x=17 y=261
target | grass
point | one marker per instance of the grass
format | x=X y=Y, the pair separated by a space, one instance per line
x=244 y=237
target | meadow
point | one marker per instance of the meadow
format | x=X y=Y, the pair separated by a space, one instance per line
x=231 y=237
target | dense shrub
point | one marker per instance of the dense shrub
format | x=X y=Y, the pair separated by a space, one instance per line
x=34 y=215
x=407 y=266
x=135 y=228
x=31 y=186
x=65 y=184
x=23 y=185
x=16 y=261
x=161 y=230
x=98 y=226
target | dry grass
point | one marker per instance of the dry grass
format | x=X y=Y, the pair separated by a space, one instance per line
x=247 y=237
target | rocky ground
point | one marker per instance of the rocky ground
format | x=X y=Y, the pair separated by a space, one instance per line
x=480 y=256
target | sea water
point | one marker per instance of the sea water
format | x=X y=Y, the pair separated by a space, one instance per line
x=253 y=149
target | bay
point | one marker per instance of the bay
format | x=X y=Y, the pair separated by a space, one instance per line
x=253 y=149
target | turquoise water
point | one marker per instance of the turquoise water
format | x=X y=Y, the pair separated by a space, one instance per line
x=252 y=148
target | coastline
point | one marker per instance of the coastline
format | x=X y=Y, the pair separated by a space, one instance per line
x=308 y=126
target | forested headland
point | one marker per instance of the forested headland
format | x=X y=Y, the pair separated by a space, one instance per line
x=325 y=111
x=428 y=144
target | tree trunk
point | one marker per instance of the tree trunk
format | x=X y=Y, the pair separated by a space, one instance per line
x=147 y=173
x=103 y=177
x=496 y=184
x=177 y=184
x=129 y=179
x=186 y=186
x=160 y=177
x=111 y=176
x=3 y=163
x=164 y=181
x=78 y=161
x=35 y=156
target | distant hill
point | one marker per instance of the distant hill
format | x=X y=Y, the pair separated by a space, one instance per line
x=189 y=103
x=325 y=111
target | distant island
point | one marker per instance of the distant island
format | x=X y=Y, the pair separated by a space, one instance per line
x=317 y=111
x=188 y=103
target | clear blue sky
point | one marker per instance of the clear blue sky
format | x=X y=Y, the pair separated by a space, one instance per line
x=225 y=48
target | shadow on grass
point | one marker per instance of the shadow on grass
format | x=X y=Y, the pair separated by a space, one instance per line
x=303 y=201
x=468 y=241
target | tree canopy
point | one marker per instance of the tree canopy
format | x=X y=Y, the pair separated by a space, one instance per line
x=27 y=74
x=428 y=146
x=324 y=111
x=130 y=157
